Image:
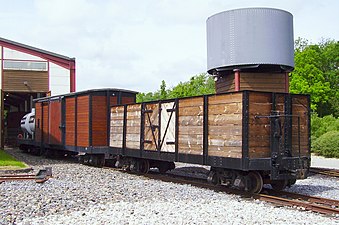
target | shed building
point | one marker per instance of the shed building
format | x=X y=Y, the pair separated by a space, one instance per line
x=27 y=73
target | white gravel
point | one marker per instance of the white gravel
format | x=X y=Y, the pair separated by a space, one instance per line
x=80 y=194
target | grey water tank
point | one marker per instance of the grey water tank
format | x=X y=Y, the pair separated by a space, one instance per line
x=250 y=38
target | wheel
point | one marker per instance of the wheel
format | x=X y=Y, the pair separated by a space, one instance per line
x=279 y=185
x=163 y=168
x=143 y=166
x=291 y=182
x=254 y=182
x=100 y=161
x=213 y=178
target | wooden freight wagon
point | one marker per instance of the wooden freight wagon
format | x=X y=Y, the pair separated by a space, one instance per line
x=78 y=121
x=244 y=131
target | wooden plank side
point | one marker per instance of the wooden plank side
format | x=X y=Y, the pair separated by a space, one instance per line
x=37 y=81
x=45 y=122
x=274 y=82
x=225 y=119
x=193 y=101
x=300 y=108
x=116 y=126
x=99 y=121
x=260 y=104
x=190 y=118
x=225 y=84
x=133 y=126
x=225 y=98
x=83 y=121
x=70 y=121
x=127 y=100
x=54 y=122
x=225 y=113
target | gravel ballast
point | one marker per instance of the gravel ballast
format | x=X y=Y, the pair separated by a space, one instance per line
x=79 y=194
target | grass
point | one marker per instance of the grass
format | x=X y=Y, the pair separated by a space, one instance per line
x=9 y=162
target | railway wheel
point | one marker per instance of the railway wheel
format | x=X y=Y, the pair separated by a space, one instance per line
x=213 y=178
x=143 y=166
x=279 y=185
x=291 y=182
x=254 y=182
x=97 y=160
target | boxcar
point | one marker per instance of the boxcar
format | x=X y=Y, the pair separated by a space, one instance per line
x=75 y=122
x=248 y=138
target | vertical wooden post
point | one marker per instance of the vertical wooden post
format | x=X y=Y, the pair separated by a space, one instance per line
x=287 y=84
x=236 y=80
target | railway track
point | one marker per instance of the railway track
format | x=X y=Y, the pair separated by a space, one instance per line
x=281 y=198
x=325 y=171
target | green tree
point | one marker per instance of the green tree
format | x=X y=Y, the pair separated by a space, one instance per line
x=197 y=85
x=316 y=73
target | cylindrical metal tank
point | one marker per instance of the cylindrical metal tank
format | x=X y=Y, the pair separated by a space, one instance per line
x=250 y=38
x=28 y=122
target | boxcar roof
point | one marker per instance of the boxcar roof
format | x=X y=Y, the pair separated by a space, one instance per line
x=84 y=93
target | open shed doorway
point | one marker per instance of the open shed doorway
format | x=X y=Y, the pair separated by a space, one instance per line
x=15 y=106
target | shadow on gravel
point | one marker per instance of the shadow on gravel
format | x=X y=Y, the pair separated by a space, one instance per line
x=34 y=160
x=310 y=189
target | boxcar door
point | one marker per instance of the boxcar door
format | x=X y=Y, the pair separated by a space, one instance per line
x=159 y=126
x=151 y=126
x=167 y=127
x=55 y=125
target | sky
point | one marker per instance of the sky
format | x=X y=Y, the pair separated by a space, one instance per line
x=135 y=44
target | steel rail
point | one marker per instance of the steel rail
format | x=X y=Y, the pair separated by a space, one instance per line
x=325 y=171
x=282 y=198
x=40 y=177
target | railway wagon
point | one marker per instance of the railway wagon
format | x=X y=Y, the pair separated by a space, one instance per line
x=249 y=138
x=74 y=122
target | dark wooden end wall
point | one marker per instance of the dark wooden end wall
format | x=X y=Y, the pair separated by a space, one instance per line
x=239 y=81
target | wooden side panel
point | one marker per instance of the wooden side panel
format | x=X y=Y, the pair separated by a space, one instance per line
x=190 y=138
x=274 y=82
x=38 y=122
x=37 y=81
x=127 y=100
x=99 y=121
x=133 y=126
x=83 y=121
x=116 y=126
x=259 y=129
x=225 y=125
x=270 y=82
x=113 y=100
x=45 y=122
x=300 y=108
x=225 y=84
x=70 y=121
x=55 y=122
x=151 y=126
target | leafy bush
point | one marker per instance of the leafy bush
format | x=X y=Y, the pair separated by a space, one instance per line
x=327 y=144
x=320 y=126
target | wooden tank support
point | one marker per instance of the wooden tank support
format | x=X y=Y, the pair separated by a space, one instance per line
x=238 y=80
